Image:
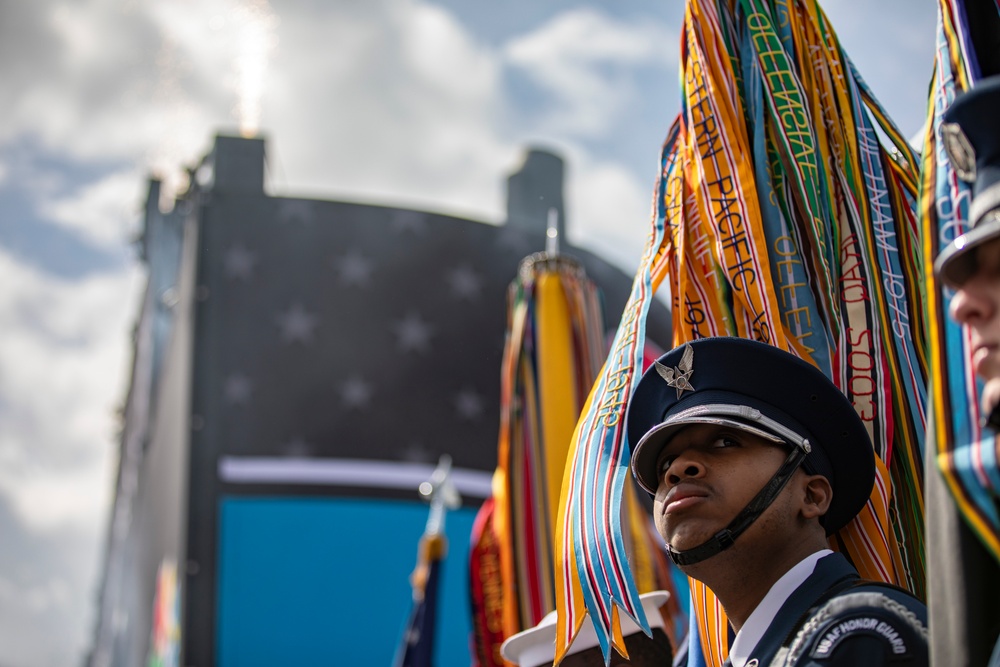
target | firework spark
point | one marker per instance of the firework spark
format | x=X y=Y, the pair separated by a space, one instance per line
x=256 y=26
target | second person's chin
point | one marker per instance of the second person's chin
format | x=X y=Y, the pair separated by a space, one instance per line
x=990 y=399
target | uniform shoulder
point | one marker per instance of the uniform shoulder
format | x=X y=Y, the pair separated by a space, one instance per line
x=895 y=593
x=870 y=624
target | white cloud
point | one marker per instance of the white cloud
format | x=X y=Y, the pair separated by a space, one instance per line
x=79 y=29
x=104 y=212
x=137 y=82
x=44 y=619
x=54 y=593
x=403 y=107
x=388 y=99
x=589 y=36
x=64 y=347
x=391 y=100
x=585 y=59
x=611 y=209
x=441 y=54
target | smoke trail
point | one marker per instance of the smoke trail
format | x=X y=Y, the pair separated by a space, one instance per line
x=256 y=39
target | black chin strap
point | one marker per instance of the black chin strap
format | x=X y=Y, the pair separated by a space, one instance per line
x=725 y=537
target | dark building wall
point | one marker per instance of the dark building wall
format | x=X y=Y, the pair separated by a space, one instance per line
x=304 y=354
x=149 y=517
x=164 y=501
x=317 y=333
x=535 y=191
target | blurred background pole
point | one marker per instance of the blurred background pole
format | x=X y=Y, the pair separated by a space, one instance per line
x=417 y=646
x=555 y=345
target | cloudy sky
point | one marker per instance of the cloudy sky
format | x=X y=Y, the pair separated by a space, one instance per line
x=424 y=103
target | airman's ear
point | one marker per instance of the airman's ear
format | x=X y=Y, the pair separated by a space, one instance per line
x=817 y=498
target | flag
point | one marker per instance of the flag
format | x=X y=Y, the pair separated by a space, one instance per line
x=965 y=450
x=486 y=590
x=417 y=646
x=784 y=212
x=963 y=481
x=554 y=347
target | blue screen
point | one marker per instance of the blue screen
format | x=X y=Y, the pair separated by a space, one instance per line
x=326 y=581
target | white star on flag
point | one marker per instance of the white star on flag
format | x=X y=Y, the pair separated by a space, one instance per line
x=297 y=446
x=409 y=221
x=413 y=334
x=295 y=210
x=356 y=393
x=297 y=324
x=514 y=239
x=238 y=389
x=468 y=404
x=465 y=283
x=239 y=262
x=415 y=452
x=354 y=269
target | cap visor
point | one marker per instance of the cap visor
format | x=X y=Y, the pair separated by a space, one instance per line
x=649 y=447
x=957 y=262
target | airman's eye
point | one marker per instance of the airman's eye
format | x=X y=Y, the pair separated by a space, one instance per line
x=665 y=463
x=725 y=441
x=988 y=256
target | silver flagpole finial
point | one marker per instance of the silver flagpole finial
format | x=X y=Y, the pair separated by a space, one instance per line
x=552 y=233
x=441 y=493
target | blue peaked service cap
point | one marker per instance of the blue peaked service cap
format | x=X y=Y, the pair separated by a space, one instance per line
x=970 y=132
x=759 y=389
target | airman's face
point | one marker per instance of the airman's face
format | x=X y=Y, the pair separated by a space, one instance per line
x=707 y=475
x=976 y=304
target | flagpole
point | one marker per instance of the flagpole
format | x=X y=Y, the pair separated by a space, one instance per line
x=552 y=234
x=442 y=495
x=417 y=647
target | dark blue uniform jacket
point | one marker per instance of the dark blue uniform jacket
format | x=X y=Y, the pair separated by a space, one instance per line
x=835 y=618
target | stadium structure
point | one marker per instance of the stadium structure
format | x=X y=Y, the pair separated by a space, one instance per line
x=299 y=368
